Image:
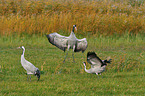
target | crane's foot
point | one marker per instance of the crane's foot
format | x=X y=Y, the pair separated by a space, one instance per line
x=74 y=62
x=63 y=61
x=28 y=77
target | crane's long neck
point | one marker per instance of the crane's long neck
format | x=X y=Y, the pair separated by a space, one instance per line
x=23 y=53
x=73 y=29
x=85 y=68
x=88 y=71
x=23 y=58
x=72 y=34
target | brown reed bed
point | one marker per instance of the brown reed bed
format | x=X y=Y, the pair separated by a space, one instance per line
x=94 y=17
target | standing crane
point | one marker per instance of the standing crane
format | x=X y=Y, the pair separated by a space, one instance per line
x=71 y=42
x=29 y=67
x=97 y=65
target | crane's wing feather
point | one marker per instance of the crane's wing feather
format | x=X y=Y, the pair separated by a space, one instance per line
x=81 y=45
x=93 y=59
x=58 y=40
x=29 y=67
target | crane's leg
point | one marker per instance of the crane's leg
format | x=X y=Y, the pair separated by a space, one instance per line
x=27 y=77
x=66 y=53
x=73 y=54
x=65 y=57
x=97 y=74
x=101 y=75
x=30 y=77
x=73 y=57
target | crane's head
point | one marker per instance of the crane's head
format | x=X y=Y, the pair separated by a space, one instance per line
x=22 y=47
x=74 y=27
x=84 y=63
x=37 y=73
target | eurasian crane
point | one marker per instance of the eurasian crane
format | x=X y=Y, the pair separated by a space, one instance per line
x=97 y=65
x=71 y=42
x=29 y=67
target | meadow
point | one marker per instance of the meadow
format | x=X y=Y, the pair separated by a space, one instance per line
x=113 y=28
x=124 y=76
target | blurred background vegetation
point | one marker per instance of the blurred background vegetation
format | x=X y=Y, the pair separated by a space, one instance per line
x=95 y=17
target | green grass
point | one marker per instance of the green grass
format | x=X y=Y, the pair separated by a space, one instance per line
x=124 y=76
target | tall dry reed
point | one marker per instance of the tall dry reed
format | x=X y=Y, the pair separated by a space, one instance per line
x=91 y=16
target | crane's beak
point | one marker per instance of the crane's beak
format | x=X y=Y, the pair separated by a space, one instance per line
x=18 y=47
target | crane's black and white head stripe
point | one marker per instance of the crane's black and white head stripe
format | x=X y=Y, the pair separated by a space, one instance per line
x=74 y=27
x=84 y=64
x=23 y=48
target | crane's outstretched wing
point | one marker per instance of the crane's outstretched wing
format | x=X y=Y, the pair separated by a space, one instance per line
x=58 y=40
x=81 y=45
x=93 y=59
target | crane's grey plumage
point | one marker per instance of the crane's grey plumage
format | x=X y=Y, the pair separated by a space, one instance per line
x=97 y=65
x=71 y=42
x=29 y=67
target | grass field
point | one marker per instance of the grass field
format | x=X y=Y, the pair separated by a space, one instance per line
x=124 y=76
